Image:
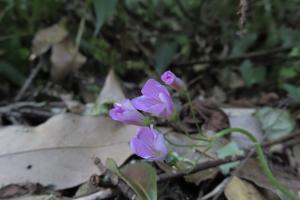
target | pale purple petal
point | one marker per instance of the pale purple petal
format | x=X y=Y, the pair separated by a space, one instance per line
x=141 y=149
x=160 y=144
x=149 y=144
x=126 y=113
x=152 y=88
x=145 y=134
x=169 y=78
x=160 y=108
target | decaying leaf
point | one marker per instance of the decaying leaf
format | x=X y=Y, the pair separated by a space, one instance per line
x=195 y=155
x=208 y=113
x=47 y=37
x=65 y=60
x=251 y=171
x=231 y=149
x=275 y=122
x=238 y=189
x=111 y=93
x=243 y=118
x=61 y=151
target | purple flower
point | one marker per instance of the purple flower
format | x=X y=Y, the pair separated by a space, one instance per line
x=169 y=78
x=149 y=144
x=156 y=99
x=126 y=113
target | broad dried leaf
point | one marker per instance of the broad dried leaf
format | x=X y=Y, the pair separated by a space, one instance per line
x=45 y=38
x=65 y=60
x=61 y=151
x=238 y=189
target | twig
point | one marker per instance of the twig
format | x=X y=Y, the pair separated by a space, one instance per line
x=199 y=167
x=250 y=55
x=243 y=15
x=108 y=178
x=29 y=80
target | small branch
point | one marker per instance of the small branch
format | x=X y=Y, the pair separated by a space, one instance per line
x=200 y=167
x=250 y=55
x=29 y=80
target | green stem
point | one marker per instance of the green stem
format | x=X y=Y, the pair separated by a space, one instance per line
x=182 y=145
x=261 y=158
x=191 y=108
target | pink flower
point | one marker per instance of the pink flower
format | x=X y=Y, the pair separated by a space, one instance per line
x=149 y=144
x=169 y=78
x=156 y=99
x=126 y=113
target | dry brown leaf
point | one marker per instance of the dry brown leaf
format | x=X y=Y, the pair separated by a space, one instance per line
x=238 y=189
x=111 y=92
x=65 y=60
x=251 y=171
x=61 y=151
x=45 y=38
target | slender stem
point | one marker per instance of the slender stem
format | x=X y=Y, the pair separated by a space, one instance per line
x=182 y=145
x=191 y=108
x=262 y=160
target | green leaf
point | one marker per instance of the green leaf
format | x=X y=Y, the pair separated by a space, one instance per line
x=251 y=74
x=164 y=54
x=292 y=91
x=11 y=73
x=275 y=122
x=231 y=149
x=104 y=9
x=141 y=178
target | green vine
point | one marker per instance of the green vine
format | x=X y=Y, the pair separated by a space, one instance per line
x=261 y=158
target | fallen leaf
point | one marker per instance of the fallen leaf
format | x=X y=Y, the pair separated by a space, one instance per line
x=61 y=151
x=275 y=122
x=231 y=149
x=252 y=171
x=141 y=177
x=65 y=60
x=15 y=190
x=247 y=122
x=238 y=189
x=110 y=93
x=208 y=113
x=47 y=37
x=42 y=197
x=195 y=155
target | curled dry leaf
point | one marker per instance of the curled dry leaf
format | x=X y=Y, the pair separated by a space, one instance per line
x=47 y=37
x=208 y=113
x=65 y=60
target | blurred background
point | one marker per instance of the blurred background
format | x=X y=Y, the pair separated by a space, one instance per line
x=236 y=52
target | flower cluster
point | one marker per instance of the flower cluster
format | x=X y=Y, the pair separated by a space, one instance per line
x=155 y=100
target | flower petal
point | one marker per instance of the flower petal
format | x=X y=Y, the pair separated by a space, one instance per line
x=152 y=88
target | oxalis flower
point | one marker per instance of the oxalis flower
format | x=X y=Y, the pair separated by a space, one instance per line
x=126 y=113
x=156 y=99
x=149 y=144
x=169 y=78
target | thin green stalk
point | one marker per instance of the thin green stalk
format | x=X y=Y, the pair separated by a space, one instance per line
x=182 y=145
x=261 y=158
x=191 y=108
